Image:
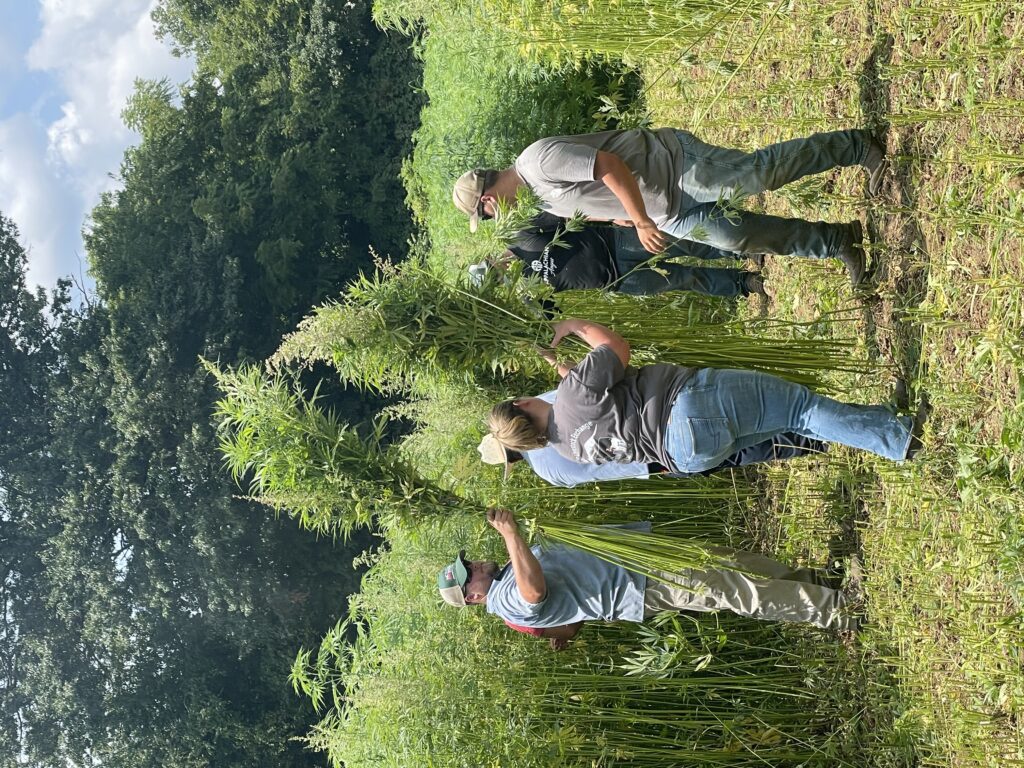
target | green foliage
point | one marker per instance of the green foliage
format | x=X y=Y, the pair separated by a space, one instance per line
x=148 y=614
x=406 y=325
x=652 y=554
x=559 y=32
x=301 y=458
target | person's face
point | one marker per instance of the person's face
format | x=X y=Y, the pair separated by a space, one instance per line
x=481 y=576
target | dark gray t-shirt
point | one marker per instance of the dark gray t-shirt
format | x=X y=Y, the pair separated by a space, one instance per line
x=604 y=412
x=560 y=170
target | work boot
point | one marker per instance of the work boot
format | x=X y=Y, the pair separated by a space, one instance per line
x=852 y=255
x=752 y=284
x=875 y=164
x=901 y=395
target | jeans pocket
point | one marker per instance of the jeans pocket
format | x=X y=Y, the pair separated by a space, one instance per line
x=709 y=438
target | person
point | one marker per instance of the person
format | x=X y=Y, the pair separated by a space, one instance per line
x=613 y=258
x=557 y=470
x=670 y=184
x=552 y=591
x=686 y=419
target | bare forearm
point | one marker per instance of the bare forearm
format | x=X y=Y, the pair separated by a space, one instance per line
x=593 y=335
x=526 y=568
x=611 y=171
x=617 y=176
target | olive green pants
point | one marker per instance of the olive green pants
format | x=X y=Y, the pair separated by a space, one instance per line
x=760 y=587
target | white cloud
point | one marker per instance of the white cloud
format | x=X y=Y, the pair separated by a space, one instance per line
x=47 y=213
x=94 y=49
x=67 y=137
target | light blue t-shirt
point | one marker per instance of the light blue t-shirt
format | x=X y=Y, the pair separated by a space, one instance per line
x=580 y=587
x=554 y=468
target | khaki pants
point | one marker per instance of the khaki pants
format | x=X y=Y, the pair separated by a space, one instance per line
x=766 y=589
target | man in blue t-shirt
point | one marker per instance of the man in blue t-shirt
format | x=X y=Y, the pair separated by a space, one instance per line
x=552 y=591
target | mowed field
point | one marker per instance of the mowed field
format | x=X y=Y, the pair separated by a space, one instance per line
x=941 y=537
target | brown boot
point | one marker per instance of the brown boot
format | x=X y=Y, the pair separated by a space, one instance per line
x=852 y=255
x=876 y=165
x=753 y=285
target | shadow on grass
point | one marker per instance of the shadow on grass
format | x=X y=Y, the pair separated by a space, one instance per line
x=899 y=258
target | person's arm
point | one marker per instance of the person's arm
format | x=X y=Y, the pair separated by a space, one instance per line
x=529 y=576
x=611 y=171
x=552 y=359
x=593 y=335
x=559 y=637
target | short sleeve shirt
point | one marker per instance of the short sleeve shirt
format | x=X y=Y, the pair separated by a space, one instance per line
x=580 y=587
x=607 y=413
x=560 y=170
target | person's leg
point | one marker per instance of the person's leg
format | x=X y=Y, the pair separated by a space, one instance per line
x=638 y=277
x=746 y=232
x=720 y=412
x=711 y=173
x=760 y=597
x=760 y=566
x=645 y=281
x=782 y=447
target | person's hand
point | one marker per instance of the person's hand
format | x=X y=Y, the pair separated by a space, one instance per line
x=562 y=329
x=651 y=238
x=622 y=222
x=548 y=355
x=503 y=521
x=558 y=643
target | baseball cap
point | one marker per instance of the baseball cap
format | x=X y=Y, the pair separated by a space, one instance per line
x=493 y=452
x=467 y=192
x=452 y=579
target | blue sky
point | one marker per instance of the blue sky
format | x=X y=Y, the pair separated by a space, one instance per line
x=68 y=67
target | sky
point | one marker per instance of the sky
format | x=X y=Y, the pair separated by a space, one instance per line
x=67 y=68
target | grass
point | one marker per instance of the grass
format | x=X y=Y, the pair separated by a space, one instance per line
x=940 y=538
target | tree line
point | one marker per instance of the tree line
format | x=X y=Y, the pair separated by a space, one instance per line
x=148 y=616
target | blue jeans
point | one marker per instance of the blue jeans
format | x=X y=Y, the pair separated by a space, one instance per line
x=637 y=279
x=720 y=412
x=713 y=173
x=781 y=447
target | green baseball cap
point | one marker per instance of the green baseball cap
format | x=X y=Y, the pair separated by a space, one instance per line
x=451 y=581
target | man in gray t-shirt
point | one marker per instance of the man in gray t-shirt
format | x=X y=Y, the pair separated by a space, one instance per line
x=552 y=591
x=670 y=184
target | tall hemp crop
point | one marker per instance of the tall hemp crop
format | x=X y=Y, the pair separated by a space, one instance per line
x=406 y=324
x=301 y=458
